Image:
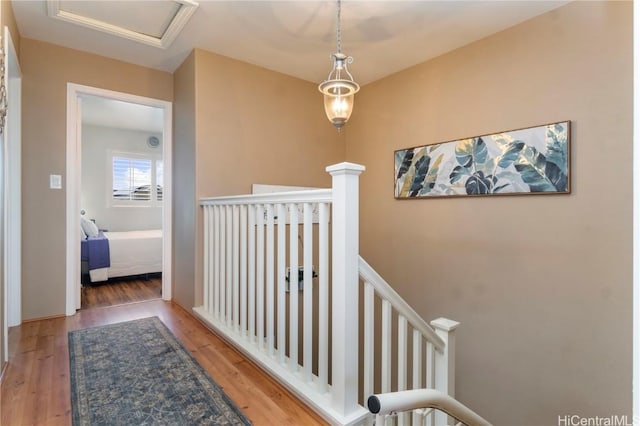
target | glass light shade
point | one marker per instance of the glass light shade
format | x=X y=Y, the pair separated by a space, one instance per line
x=338 y=93
x=338 y=108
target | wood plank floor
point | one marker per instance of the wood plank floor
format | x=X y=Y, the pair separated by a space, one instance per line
x=118 y=292
x=36 y=387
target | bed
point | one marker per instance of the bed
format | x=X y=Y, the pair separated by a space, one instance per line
x=121 y=254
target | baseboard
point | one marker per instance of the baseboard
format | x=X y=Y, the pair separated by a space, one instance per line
x=43 y=318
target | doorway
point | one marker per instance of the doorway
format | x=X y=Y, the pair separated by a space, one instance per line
x=105 y=208
x=121 y=193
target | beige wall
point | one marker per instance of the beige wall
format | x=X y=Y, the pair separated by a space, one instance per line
x=259 y=126
x=541 y=284
x=252 y=126
x=46 y=70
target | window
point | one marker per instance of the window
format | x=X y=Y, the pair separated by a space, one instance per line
x=159 y=179
x=136 y=180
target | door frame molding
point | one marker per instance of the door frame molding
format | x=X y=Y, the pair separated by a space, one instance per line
x=74 y=171
x=635 y=379
x=13 y=183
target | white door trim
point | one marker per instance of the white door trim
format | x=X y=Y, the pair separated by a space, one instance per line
x=11 y=213
x=13 y=198
x=636 y=213
x=74 y=118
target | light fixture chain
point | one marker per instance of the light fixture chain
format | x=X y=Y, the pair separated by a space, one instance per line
x=339 y=35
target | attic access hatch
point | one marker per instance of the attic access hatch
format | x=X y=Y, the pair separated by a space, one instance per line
x=152 y=22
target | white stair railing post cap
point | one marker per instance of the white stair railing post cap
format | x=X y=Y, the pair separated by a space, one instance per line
x=444 y=324
x=345 y=168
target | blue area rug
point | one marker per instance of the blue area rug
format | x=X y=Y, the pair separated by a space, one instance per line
x=137 y=373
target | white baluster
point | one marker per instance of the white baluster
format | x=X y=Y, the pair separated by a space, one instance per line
x=369 y=332
x=430 y=379
x=210 y=259
x=216 y=263
x=236 y=266
x=402 y=362
x=282 y=266
x=260 y=276
x=243 y=270
x=223 y=263
x=270 y=279
x=252 y=272
x=293 y=287
x=206 y=258
x=229 y=266
x=323 y=295
x=385 y=356
x=416 y=382
x=307 y=292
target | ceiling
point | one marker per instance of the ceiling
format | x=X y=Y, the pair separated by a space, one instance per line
x=292 y=37
x=122 y=115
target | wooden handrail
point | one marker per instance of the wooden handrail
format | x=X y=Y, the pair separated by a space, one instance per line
x=395 y=402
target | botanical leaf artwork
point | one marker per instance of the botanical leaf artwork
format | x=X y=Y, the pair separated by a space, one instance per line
x=532 y=160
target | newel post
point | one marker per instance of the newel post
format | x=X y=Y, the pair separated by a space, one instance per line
x=344 y=320
x=445 y=360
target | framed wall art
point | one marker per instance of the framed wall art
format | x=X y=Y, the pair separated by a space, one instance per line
x=534 y=160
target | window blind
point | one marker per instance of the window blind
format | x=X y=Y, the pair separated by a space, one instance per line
x=132 y=179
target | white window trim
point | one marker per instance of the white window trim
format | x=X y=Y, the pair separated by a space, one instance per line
x=115 y=203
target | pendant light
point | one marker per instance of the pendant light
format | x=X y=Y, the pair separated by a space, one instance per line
x=339 y=87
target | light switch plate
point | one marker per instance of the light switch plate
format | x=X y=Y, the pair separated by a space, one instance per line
x=55 y=181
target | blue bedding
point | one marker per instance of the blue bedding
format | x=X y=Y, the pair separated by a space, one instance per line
x=95 y=251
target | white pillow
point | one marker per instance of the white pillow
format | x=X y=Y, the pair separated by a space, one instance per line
x=83 y=235
x=89 y=227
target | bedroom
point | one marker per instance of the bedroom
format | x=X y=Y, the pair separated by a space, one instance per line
x=121 y=202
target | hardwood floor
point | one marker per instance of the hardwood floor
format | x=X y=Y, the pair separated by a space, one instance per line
x=128 y=290
x=36 y=387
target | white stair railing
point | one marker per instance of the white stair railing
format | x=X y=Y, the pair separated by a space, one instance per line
x=274 y=288
x=392 y=404
x=429 y=354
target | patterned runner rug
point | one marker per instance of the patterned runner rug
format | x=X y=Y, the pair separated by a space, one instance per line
x=137 y=373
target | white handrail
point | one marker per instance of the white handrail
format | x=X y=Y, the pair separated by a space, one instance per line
x=307 y=196
x=368 y=274
x=395 y=402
